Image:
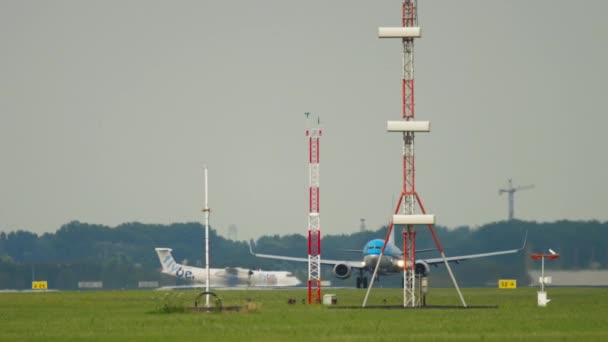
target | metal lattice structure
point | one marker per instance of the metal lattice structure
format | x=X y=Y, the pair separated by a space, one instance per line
x=409 y=201
x=314 y=221
x=408 y=19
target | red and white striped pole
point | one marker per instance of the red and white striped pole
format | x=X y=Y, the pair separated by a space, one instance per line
x=314 y=222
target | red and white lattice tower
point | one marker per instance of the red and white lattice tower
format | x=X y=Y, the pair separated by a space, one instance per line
x=314 y=222
x=409 y=201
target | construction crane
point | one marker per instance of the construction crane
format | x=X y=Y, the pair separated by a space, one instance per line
x=511 y=191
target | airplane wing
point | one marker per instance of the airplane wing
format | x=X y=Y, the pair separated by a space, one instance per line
x=417 y=251
x=456 y=259
x=353 y=264
x=351 y=250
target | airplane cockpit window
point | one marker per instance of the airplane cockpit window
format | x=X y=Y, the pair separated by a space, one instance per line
x=372 y=249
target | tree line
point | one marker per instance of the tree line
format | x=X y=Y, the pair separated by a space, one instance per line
x=124 y=255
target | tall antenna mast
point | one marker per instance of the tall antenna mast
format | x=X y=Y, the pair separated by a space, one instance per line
x=314 y=222
x=510 y=190
x=232 y=232
x=207 y=211
x=408 y=126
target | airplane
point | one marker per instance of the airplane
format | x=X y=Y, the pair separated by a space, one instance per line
x=391 y=262
x=224 y=277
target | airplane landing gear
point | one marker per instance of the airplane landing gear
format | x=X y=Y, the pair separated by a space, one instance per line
x=361 y=281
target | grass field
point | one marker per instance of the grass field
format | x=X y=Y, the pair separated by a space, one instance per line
x=573 y=314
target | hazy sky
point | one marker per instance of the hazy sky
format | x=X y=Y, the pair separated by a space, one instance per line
x=110 y=109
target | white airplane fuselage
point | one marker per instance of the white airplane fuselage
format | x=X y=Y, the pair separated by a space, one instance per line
x=225 y=277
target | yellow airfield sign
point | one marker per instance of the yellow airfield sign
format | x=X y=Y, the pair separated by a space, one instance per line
x=507 y=284
x=40 y=285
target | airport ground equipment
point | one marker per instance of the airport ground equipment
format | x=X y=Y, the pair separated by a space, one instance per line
x=409 y=202
x=214 y=305
x=542 y=295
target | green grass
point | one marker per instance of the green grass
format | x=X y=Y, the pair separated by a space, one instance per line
x=573 y=314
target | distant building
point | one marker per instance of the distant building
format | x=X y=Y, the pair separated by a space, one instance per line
x=90 y=284
x=572 y=278
x=148 y=284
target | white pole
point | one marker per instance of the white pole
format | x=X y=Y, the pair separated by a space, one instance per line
x=371 y=281
x=206 y=210
x=542 y=273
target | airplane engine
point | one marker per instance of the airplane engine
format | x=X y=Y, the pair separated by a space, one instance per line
x=342 y=271
x=422 y=268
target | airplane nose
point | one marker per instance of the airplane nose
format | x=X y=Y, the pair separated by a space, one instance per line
x=370 y=261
